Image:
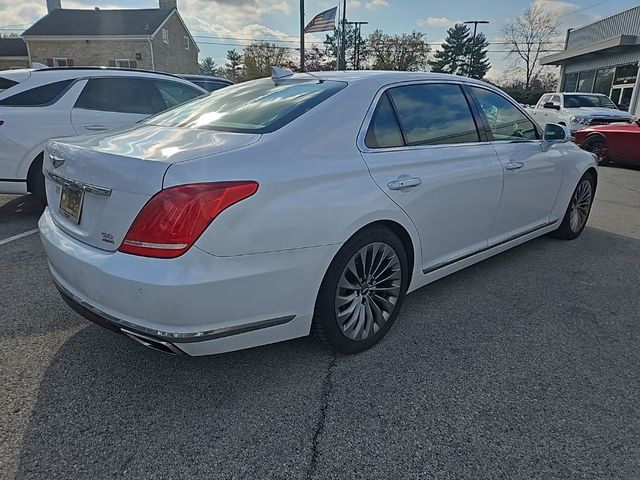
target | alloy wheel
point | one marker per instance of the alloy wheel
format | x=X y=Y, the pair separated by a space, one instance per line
x=580 y=205
x=599 y=148
x=368 y=291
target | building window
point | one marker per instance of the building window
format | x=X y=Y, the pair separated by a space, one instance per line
x=165 y=35
x=604 y=80
x=585 y=82
x=123 y=63
x=60 y=62
x=570 y=82
x=187 y=43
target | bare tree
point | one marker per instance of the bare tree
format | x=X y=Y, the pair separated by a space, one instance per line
x=406 y=52
x=259 y=57
x=528 y=37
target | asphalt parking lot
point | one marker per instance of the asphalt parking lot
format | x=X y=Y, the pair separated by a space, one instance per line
x=525 y=366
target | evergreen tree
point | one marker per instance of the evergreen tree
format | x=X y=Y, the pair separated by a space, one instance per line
x=208 y=67
x=477 y=56
x=233 y=68
x=452 y=58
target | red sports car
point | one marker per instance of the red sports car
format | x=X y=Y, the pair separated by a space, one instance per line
x=612 y=143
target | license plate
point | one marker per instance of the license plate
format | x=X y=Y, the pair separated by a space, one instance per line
x=71 y=203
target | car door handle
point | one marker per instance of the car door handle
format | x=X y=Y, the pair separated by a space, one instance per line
x=404 y=183
x=96 y=128
x=514 y=165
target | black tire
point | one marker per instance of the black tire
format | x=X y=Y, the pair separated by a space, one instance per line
x=566 y=231
x=35 y=181
x=597 y=145
x=325 y=320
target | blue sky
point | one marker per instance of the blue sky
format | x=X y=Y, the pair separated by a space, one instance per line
x=219 y=25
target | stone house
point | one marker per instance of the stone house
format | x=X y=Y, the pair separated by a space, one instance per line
x=13 y=54
x=151 y=39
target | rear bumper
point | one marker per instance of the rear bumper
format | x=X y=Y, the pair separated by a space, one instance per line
x=198 y=304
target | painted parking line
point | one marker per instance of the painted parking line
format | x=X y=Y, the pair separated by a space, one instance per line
x=18 y=236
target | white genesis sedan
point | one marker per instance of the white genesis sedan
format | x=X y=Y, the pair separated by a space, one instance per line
x=276 y=207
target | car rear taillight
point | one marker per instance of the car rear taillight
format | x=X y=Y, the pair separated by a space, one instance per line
x=171 y=222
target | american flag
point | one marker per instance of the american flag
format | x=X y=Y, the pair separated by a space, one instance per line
x=322 y=22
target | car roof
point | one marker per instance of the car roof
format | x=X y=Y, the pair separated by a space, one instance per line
x=381 y=77
x=206 y=77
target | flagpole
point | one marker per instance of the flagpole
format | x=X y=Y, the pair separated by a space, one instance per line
x=302 y=35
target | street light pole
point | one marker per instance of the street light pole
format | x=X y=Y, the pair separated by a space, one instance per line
x=473 y=41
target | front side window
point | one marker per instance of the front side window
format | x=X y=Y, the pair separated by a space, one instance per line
x=123 y=95
x=507 y=123
x=39 y=96
x=544 y=99
x=259 y=106
x=433 y=114
x=384 y=131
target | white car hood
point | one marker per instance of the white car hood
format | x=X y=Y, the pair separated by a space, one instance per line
x=598 y=112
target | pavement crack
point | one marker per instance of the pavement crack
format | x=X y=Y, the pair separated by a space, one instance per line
x=327 y=388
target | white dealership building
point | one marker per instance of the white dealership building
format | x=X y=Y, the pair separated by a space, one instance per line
x=603 y=57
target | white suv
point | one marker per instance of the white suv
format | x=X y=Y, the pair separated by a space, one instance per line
x=578 y=110
x=37 y=105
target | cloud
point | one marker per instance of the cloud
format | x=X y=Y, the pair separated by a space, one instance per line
x=375 y=4
x=437 y=22
x=569 y=15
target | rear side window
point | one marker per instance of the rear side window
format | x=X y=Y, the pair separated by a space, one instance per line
x=122 y=95
x=5 y=83
x=174 y=93
x=434 y=114
x=384 y=131
x=39 y=96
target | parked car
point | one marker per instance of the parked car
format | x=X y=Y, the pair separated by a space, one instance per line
x=578 y=110
x=37 y=105
x=612 y=143
x=210 y=84
x=306 y=202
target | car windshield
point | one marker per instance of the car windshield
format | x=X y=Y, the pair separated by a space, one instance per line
x=259 y=106
x=577 y=101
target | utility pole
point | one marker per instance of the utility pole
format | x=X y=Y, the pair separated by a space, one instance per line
x=343 y=53
x=302 y=35
x=473 y=41
x=356 y=56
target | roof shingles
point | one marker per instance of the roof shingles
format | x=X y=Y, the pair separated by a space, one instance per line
x=13 y=47
x=67 y=22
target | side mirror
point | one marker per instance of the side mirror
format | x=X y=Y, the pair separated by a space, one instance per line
x=551 y=105
x=554 y=133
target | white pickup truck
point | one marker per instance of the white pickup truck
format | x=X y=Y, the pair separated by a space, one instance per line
x=578 y=110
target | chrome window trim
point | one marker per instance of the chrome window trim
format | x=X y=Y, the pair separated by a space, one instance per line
x=362 y=133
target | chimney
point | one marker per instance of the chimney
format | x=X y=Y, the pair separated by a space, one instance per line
x=54 y=5
x=167 y=4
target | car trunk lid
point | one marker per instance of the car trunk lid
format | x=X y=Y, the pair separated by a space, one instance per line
x=96 y=185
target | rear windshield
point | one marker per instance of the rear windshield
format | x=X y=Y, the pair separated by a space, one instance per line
x=260 y=106
x=5 y=83
x=577 y=101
